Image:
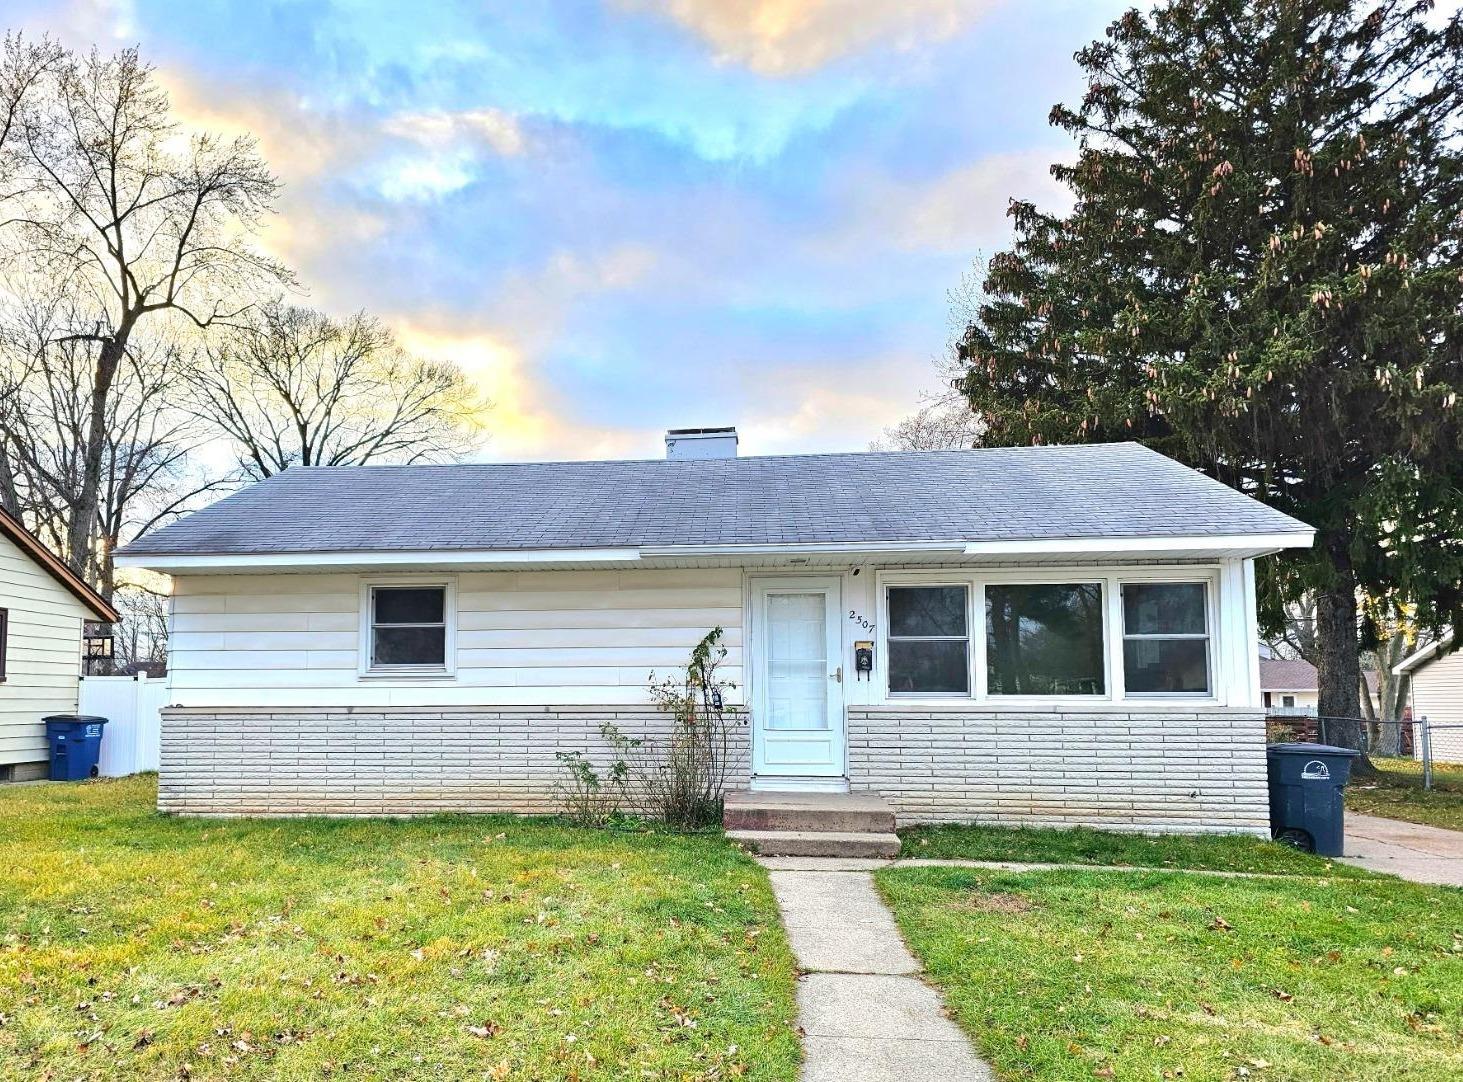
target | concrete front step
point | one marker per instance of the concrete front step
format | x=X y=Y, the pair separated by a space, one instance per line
x=817 y=843
x=857 y=813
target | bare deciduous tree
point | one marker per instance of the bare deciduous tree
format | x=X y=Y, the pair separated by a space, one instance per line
x=136 y=223
x=142 y=639
x=146 y=475
x=290 y=386
x=944 y=421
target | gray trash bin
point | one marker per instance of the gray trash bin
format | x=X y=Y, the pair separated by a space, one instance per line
x=1307 y=787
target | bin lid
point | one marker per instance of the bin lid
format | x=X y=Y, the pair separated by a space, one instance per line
x=76 y=719
x=1311 y=750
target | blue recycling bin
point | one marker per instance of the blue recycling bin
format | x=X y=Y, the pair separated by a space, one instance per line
x=76 y=744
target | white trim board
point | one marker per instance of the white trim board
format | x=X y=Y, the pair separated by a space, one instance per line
x=1241 y=545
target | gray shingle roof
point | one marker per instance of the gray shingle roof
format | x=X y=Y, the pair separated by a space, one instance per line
x=1095 y=491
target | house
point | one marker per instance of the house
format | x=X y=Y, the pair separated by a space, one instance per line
x=1060 y=635
x=43 y=609
x=1437 y=694
x=1289 y=687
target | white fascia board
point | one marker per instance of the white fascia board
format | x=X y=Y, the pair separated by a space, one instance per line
x=1148 y=543
x=1419 y=657
x=264 y=561
x=833 y=547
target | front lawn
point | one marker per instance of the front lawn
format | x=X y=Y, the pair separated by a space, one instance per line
x=1397 y=793
x=1128 y=975
x=1043 y=845
x=138 y=946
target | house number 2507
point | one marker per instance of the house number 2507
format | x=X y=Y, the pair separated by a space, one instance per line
x=867 y=625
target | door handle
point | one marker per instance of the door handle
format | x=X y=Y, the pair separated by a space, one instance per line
x=837 y=674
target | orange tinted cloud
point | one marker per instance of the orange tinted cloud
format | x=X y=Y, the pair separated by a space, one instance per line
x=791 y=37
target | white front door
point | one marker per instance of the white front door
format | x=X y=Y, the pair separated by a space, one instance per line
x=797 y=681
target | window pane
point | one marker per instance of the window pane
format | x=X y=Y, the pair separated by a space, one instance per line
x=1044 y=640
x=409 y=646
x=1166 y=665
x=409 y=605
x=929 y=666
x=927 y=610
x=1163 y=608
x=797 y=661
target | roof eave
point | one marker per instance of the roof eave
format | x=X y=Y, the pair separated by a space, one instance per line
x=1233 y=545
x=50 y=563
x=1421 y=657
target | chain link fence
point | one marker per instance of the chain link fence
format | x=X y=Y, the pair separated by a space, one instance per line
x=1414 y=738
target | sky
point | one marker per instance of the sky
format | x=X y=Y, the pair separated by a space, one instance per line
x=622 y=216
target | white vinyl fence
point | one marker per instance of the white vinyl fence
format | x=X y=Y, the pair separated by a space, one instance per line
x=131 y=705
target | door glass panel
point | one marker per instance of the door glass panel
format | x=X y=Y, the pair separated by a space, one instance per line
x=797 y=661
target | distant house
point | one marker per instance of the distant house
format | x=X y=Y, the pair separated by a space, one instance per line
x=1293 y=688
x=1289 y=687
x=1437 y=694
x=1062 y=635
x=43 y=608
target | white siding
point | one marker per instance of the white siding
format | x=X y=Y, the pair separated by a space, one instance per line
x=1437 y=694
x=43 y=655
x=523 y=638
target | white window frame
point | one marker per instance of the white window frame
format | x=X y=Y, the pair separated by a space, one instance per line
x=969 y=638
x=1111 y=580
x=448 y=669
x=1210 y=671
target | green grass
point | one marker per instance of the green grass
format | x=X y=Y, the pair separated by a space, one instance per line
x=138 y=946
x=1130 y=975
x=1397 y=793
x=1213 y=852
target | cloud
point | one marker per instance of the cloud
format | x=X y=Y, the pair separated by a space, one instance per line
x=811 y=412
x=496 y=128
x=955 y=212
x=792 y=37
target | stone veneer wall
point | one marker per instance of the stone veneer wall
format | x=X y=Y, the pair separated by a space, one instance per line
x=386 y=760
x=1191 y=772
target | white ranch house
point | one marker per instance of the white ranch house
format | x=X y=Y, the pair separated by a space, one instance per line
x=1060 y=635
x=44 y=608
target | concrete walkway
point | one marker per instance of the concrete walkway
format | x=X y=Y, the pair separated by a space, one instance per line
x=1421 y=853
x=871 y=864
x=865 y=1014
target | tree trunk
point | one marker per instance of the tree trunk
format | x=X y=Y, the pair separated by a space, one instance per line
x=84 y=514
x=1339 y=667
x=9 y=495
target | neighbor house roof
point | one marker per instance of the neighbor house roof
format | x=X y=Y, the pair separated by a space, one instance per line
x=1108 y=491
x=51 y=564
x=1278 y=674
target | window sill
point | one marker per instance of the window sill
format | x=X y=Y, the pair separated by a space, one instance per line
x=407 y=674
x=1035 y=705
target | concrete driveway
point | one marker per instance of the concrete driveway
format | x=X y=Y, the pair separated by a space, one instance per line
x=1420 y=853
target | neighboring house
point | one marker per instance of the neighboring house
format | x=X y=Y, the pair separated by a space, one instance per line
x=1293 y=688
x=1437 y=694
x=1059 y=635
x=1289 y=687
x=43 y=607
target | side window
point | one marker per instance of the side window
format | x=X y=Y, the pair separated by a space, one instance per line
x=1166 y=639
x=929 y=640
x=408 y=627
